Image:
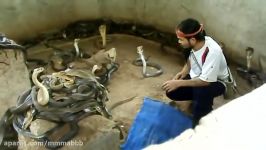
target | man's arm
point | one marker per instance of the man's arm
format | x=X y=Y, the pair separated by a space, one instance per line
x=174 y=84
x=186 y=68
x=183 y=72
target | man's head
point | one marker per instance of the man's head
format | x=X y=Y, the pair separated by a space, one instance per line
x=189 y=32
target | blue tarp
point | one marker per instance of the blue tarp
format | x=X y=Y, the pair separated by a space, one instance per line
x=156 y=123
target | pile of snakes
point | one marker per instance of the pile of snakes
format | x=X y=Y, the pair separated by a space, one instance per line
x=63 y=97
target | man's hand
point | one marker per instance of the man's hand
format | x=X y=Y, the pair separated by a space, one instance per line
x=171 y=85
x=178 y=76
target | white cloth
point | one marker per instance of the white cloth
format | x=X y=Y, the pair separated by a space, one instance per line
x=237 y=125
x=214 y=67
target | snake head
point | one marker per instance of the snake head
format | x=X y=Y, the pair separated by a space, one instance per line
x=102 y=29
x=95 y=68
x=249 y=51
x=140 y=49
x=112 y=54
x=76 y=40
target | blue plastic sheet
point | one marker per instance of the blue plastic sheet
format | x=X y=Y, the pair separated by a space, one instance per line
x=155 y=123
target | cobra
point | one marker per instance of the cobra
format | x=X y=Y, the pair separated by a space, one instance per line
x=142 y=62
x=43 y=94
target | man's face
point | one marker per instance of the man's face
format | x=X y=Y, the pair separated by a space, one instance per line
x=184 y=42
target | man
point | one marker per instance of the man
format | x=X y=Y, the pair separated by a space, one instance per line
x=206 y=64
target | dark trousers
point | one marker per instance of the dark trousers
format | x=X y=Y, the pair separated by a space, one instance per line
x=202 y=97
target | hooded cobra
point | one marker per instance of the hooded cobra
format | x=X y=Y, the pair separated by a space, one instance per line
x=43 y=94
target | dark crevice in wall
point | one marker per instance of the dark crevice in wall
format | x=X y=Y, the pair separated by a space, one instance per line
x=88 y=28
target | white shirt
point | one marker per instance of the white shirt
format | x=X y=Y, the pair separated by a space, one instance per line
x=214 y=67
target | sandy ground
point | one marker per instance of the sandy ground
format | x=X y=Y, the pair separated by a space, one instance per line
x=14 y=78
x=128 y=80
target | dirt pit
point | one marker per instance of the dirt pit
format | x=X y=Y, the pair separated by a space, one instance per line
x=128 y=80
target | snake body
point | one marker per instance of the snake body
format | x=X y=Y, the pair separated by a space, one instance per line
x=76 y=47
x=142 y=58
x=121 y=102
x=66 y=80
x=56 y=83
x=43 y=94
x=102 y=30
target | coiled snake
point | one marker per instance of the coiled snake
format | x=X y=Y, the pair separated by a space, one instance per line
x=142 y=62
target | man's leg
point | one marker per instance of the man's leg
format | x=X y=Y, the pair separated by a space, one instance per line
x=180 y=94
x=203 y=99
x=181 y=98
